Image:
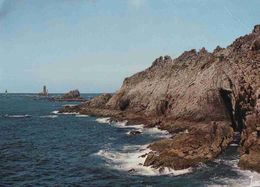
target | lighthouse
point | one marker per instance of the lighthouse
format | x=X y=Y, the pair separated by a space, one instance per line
x=44 y=91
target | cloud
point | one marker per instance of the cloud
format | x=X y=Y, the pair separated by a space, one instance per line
x=137 y=4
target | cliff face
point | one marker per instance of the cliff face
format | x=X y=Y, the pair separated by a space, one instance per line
x=205 y=93
x=197 y=85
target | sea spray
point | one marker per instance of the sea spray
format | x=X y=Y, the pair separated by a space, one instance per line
x=131 y=159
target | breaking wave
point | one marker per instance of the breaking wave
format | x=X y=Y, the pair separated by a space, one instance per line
x=55 y=112
x=103 y=120
x=246 y=178
x=131 y=159
x=123 y=124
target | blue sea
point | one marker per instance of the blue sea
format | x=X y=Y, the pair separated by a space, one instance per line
x=39 y=147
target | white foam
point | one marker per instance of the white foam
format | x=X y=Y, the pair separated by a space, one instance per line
x=157 y=132
x=247 y=178
x=129 y=158
x=55 y=112
x=123 y=124
x=103 y=120
x=17 y=116
x=49 y=116
x=64 y=113
x=81 y=116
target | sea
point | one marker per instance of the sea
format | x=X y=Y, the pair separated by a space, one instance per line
x=39 y=147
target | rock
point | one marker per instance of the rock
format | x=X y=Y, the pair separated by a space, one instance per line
x=256 y=29
x=256 y=44
x=132 y=170
x=134 y=132
x=71 y=95
x=209 y=94
x=99 y=101
x=189 y=149
x=123 y=104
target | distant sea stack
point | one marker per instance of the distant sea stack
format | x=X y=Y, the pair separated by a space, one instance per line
x=73 y=95
x=202 y=98
x=44 y=92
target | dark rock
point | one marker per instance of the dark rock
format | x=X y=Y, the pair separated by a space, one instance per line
x=124 y=103
x=132 y=170
x=134 y=132
x=71 y=95
x=256 y=44
x=256 y=29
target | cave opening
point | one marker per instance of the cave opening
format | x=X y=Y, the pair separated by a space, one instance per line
x=235 y=113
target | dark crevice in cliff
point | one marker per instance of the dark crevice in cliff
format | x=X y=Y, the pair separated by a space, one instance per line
x=226 y=96
x=235 y=112
x=239 y=116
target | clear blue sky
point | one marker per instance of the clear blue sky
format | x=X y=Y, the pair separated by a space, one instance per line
x=93 y=44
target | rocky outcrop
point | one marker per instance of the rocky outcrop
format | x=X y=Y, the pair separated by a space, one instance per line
x=73 y=95
x=202 y=143
x=208 y=95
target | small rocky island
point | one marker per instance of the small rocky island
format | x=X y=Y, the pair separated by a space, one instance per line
x=202 y=98
x=73 y=96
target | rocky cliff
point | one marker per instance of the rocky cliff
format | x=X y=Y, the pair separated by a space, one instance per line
x=200 y=97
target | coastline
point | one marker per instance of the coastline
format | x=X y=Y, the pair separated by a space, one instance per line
x=201 y=98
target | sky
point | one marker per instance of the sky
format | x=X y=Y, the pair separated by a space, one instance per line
x=92 y=45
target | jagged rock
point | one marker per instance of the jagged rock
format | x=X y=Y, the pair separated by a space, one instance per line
x=185 y=150
x=209 y=94
x=99 y=101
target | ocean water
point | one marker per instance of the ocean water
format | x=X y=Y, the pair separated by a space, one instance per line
x=39 y=147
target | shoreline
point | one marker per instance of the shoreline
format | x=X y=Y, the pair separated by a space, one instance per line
x=163 y=161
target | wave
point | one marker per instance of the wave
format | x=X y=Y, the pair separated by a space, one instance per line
x=17 y=116
x=131 y=159
x=64 y=113
x=157 y=132
x=81 y=116
x=103 y=120
x=49 y=116
x=247 y=178
x=55 y=112
x=124 y=124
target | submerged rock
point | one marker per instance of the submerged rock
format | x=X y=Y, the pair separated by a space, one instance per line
x=208 y=94
x=134 y=132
